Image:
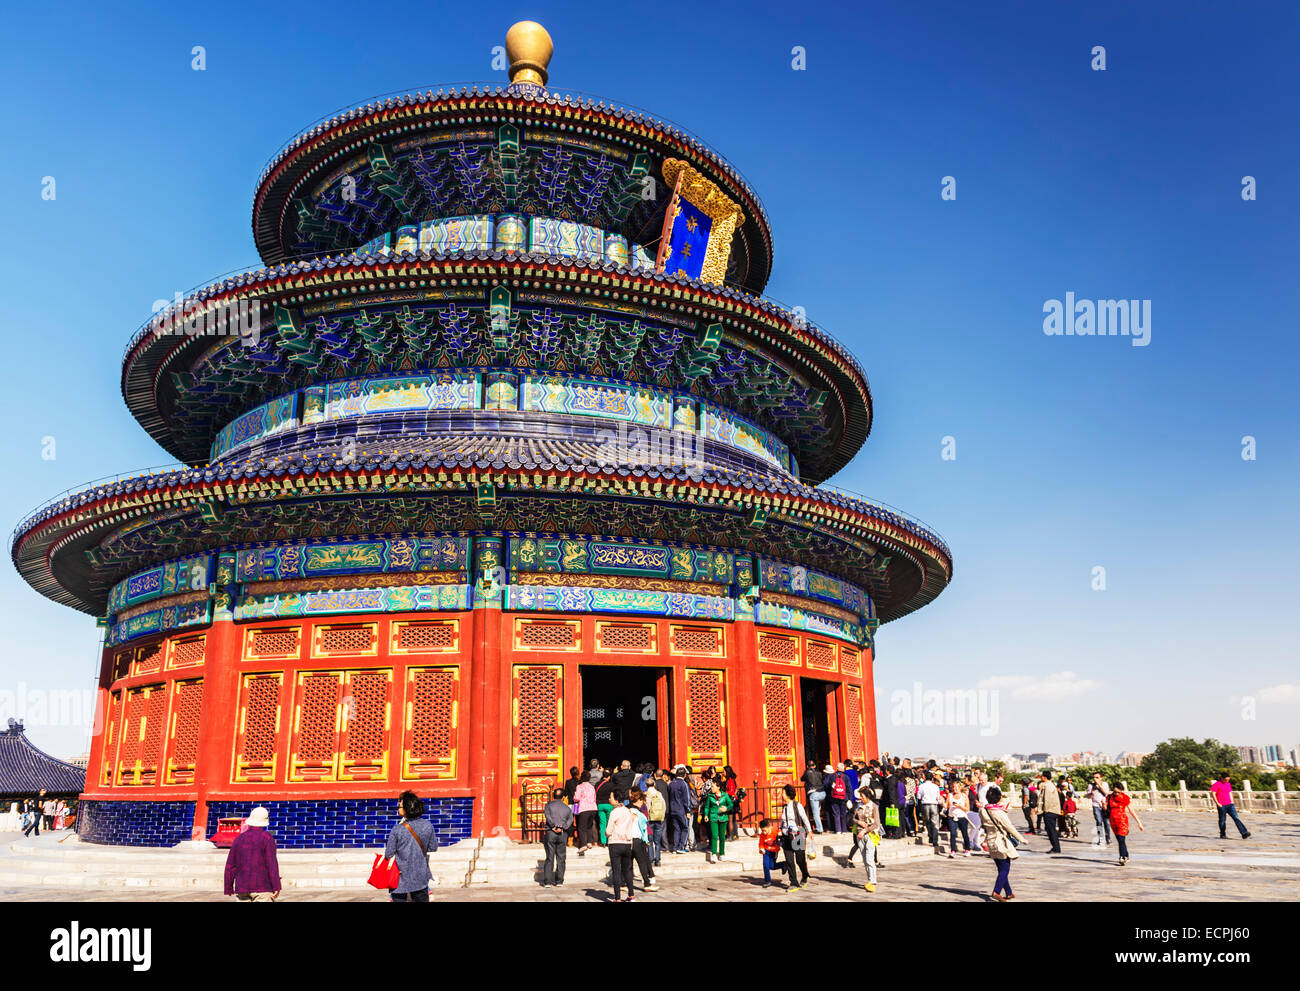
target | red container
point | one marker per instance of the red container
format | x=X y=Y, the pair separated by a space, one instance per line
x=227 y=830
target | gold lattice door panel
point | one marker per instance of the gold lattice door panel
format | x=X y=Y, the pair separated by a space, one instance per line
x=257 y=734
x=316 y=727
x=183 y=739
x=425 y=637
x=112 y=736
x=850 y=662
x=777 y=648
x=706 y=718
x=820 y=656
x=363 y=750
x=143 y=724
x=705 y=641
x=345 y=640
x=778 y=729
x=537 y=731
x=853 y=725
x=431 y=723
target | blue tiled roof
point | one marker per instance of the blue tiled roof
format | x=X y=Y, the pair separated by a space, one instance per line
x=24 y=770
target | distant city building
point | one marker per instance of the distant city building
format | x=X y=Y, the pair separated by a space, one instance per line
x=1130 y=758
x=81 y=760
x=1251 y=755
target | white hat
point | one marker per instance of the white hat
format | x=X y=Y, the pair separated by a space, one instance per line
x=829 y=770
x=258 y=817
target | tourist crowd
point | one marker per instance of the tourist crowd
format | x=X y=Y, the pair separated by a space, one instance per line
x=638 y=815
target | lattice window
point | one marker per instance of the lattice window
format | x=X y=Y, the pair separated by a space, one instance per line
x=704 y=695
x=548 y=636
x=432 y=711
x=185 y=734
x=696 y=640
x=260 y=718
x=539 y=692
x=426 y=636
x=618 y=636
x=850 y=662
x=776 y=712
x=149 y=659
x=821 y=656
x=345 y=639
x=188 y=652
x=112 y=734
x=853 y=728
x=369 y=716
x=137 y=704
x=270 y=643
x=317 y=717
x=777 y=648
x=155 y=724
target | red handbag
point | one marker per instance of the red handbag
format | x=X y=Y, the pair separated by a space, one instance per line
x=384 y=874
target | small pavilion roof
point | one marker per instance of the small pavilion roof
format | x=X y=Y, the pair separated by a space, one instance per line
x=25 y=771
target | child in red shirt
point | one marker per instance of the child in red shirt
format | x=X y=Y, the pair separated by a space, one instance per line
x=769 y=843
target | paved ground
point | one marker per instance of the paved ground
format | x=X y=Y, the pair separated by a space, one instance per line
x=1178 y=858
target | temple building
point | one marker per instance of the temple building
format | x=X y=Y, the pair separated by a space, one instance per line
x=501 y=463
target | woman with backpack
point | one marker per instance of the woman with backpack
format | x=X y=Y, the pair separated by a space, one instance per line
x=411 y=841
x=795 y=830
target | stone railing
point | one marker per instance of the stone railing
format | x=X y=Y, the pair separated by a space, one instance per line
x=1246 y=799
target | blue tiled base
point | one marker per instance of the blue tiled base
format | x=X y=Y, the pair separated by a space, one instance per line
x=347 y=822
x=134 y=823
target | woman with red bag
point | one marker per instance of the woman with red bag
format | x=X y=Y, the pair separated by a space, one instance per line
x=410 y=843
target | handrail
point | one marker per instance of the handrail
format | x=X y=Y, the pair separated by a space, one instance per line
x=44 y=507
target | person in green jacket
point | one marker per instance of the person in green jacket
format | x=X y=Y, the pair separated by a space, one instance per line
x=717 y=809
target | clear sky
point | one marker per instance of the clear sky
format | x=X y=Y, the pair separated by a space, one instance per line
x=1071 y=452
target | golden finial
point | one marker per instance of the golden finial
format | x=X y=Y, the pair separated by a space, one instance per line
x=529 y=49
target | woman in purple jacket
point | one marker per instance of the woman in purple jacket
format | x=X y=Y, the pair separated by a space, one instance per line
x=252 y=871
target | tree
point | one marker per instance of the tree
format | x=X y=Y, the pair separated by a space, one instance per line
x=1183 y=759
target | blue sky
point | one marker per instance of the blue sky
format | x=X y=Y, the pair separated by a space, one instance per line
x=1072 y=452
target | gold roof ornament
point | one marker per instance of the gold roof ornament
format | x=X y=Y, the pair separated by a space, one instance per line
x=529 y=49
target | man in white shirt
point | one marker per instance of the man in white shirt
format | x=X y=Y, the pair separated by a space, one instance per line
x=927 y=797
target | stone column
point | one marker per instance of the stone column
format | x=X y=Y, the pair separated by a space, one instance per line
x=1247 y=797
x=1183 y=800
x=1154 y=793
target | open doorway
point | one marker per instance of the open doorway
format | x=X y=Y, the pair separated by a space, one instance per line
x=818 y=700
x=620 y=714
